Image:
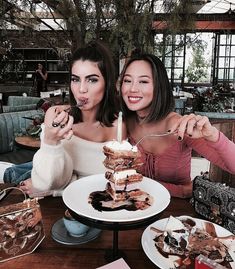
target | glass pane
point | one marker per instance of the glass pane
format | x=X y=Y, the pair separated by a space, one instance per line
x=226 y=73
x=158 y=38
x=158 y=49
x=232 y=64
x=221 y=74
x=168 y=62
x=179 y=61
x=168 y=49
x=232 y=74
x=179 y=51
x=168 y=72
x=223 y=39
x=179 y=39
x=233 y=39
x=178 y=73
x=226 y=62
x=221 y=50
x=221 y=62
x=233 y=50
x=168 y=39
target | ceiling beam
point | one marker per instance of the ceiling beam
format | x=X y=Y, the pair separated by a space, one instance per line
x=203 y=22
x=199 y=16
x=200 y=25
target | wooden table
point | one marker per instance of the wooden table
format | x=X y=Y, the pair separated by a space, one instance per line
x=28 y=142
x=51 y=255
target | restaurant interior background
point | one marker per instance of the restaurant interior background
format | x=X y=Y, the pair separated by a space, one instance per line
x=195 y=40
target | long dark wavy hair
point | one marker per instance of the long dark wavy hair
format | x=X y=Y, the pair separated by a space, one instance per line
x=97 y=52
x=163 y=100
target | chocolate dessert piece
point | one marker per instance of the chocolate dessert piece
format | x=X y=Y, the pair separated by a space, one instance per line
x=185 y=239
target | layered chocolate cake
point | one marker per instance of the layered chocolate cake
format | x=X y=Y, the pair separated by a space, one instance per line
x=122 y=188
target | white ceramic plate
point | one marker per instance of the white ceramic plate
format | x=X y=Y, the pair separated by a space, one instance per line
x=151 y=250
x=76 y=195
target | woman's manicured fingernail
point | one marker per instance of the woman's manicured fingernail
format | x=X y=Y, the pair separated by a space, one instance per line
x=179 y=138
x=190 y=135
x=169 y=131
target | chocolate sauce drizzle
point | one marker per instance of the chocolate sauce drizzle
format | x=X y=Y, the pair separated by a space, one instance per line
x=97 y=197
x=191 y=257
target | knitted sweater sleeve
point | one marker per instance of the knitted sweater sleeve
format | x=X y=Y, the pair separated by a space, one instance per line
x=52 y=167
x=220 y=153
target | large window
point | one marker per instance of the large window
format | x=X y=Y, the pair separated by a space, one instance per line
x=197 y=58
x=224 y=58
x=171 y=49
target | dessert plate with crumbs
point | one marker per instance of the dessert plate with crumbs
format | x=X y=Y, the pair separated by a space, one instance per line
x=76 y=198
x=175 y=242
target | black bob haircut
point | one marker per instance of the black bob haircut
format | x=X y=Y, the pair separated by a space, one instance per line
x=163 y=100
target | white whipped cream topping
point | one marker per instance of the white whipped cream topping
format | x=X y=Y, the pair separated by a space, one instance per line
x=124 y=145
x=123 y=174
x=174 y=224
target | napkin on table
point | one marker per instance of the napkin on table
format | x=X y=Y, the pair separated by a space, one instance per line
x=118 y=264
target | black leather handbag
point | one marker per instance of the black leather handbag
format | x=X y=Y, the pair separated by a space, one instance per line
x=214 y=201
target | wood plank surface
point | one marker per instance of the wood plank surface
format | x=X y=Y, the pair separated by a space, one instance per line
x=52 y=255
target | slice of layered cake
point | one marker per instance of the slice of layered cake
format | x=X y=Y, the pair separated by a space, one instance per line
x=122 y=190
x=122 y=160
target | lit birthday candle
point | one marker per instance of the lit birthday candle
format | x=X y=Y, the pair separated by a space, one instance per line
x=119 y=127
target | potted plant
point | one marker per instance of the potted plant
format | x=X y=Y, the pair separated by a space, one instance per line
x=217 y=99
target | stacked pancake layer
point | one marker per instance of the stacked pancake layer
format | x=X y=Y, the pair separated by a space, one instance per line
x=122 y=161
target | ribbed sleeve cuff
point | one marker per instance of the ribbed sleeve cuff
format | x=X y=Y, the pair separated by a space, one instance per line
x=221 y=144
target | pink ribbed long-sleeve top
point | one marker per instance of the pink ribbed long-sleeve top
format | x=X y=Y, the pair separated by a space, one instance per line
x=172 y=168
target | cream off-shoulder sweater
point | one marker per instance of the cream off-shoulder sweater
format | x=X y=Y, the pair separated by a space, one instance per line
x=54 y=167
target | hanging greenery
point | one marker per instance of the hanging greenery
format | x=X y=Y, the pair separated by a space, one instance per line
x=180 y=16
x=124 y=25
x=198 y=67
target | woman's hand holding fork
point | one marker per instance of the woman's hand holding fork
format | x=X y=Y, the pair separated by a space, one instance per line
x=58 y=125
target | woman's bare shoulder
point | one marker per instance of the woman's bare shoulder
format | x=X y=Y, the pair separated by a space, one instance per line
x=172 y=117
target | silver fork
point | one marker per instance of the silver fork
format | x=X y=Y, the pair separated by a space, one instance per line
x=154 y=135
